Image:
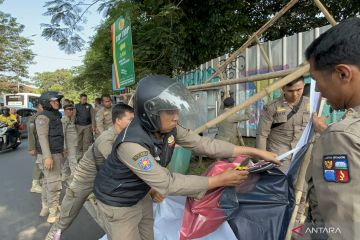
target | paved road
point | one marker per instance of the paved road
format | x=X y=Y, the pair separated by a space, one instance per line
x=19 y=209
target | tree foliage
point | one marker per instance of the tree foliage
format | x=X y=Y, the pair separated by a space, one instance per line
x=61 y=80
x=15 y=52
x=54 y=81
x=170 y=36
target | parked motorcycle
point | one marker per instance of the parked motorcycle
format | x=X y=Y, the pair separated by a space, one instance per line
x=9 y=137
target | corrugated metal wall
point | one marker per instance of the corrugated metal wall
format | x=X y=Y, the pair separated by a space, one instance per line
x=285 y=53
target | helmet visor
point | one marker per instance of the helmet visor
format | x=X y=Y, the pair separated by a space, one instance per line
x=175 y=98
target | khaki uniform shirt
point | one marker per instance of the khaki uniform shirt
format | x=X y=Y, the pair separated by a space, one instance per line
x=103 y=119
x=333 y=177
x=142 y=163
x=42 y=130
x=103 y=145
x=70 y=133
x=285 y=137
x=96 y=154
x=228 y=129
x=96 y=109
x=31 y=133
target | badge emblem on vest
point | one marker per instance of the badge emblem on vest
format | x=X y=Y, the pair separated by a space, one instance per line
x=145 y=163
x=171 y=140
x=336 y=168
x=280 y=109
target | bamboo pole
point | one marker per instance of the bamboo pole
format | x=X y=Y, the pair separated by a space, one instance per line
x=253 y=36
x=226 y=87
x=266 y=57
x=278 y=84
x=323 y=9
x=257 y=77
x=131 y=100
x=299 y=188
x=301 y=177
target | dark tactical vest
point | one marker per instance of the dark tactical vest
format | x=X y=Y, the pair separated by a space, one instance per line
x=83 y=114
x=56 y=134
x=115 y=184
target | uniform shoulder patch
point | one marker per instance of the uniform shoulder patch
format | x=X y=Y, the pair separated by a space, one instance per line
x=41 y=120
x=271 y=106
x=336 y=168
x=145 y=163
x=140 y=155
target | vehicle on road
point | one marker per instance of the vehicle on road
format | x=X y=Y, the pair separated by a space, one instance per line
x=25 y=114
x=21 y=100
x=9 y=136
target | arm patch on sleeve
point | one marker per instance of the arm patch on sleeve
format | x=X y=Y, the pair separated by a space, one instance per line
x=140 y=155
x=41 y=122
x=145 y=163
x=336 y=168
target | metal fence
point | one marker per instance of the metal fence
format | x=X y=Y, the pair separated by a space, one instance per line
x=284 y=53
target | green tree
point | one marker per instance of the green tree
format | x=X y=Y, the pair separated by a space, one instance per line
x=178 y=35
x=62 y=80
x=15 y=53
x=58 y=80
x=95 y=74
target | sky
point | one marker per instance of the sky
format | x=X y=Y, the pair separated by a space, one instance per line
x=49 y=56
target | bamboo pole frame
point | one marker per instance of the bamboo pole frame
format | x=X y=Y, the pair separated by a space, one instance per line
x=268 y=89
x=282 y=82
x=254 y=78
x=292 y=76
x=300 y=184
x=259 y=32
x=328 y=16
x=301 y=177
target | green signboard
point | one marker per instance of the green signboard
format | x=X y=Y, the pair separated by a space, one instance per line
x=124 y=74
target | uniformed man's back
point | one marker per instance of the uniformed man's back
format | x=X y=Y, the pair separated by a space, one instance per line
x=228 y=129
x=332 y=176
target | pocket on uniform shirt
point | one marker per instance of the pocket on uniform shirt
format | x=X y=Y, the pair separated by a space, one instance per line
x=280 y=118
x=305 y=119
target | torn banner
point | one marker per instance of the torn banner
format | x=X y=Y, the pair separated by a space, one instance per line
x=264 y=211
x=260 y=212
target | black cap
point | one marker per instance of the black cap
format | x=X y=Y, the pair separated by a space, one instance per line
x=48 y=96
x=68 y=106
x=229 y=102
